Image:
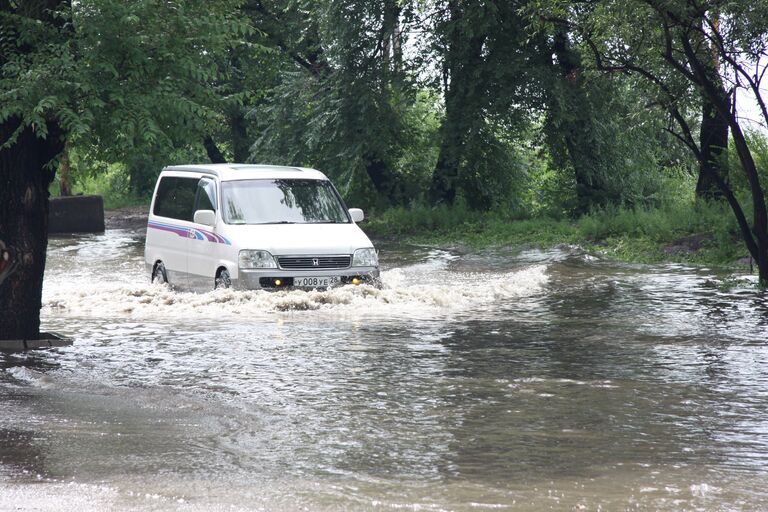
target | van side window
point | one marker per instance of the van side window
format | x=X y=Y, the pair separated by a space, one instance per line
x=176 y=198
x=206 y=195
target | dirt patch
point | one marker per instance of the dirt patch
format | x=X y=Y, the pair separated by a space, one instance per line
x=130 y=217
x=689 y=244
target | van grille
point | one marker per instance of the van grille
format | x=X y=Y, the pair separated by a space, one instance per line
x=313 y=262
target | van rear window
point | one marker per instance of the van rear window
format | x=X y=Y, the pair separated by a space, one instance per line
x=176 y=198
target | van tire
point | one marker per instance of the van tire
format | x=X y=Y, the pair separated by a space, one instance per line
x=158 y=274
x=223 y=280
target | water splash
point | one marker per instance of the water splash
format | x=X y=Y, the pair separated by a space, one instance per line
x=410 y=292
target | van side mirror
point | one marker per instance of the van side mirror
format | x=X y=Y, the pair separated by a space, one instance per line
x=206 y=217
x=356 y=214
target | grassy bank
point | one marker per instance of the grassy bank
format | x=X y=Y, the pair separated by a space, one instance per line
x=683 y=232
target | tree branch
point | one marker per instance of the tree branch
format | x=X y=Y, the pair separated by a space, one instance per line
x=691 y=146
x=315 y=68
x=754 y=83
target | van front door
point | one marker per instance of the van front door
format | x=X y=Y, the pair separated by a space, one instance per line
x=204 y=243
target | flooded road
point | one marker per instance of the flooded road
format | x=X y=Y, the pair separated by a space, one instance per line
x=494 y=380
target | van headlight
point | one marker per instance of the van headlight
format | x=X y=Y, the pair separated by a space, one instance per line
x=250 y=258
x=365 y=258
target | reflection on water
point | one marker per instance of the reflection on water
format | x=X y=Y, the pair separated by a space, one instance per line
x=524 y=380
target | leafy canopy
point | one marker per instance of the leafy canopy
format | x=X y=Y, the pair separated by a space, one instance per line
x=116 y=75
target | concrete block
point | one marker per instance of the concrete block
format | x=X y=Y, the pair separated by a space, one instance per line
x=76 y=214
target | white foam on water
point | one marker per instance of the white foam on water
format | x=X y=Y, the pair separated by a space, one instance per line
x=411 y=292
x=29 y=376
x=61 y=497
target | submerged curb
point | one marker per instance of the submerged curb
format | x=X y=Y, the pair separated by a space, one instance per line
x=46 y=340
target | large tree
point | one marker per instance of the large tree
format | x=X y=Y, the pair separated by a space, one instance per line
x=713 y=48
x=31 y=37
x=339 y=97
x=602 y=137
x=109 y=73
x=571 y=123
x=481 y=49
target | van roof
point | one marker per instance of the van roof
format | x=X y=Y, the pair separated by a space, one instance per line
x=231 y=172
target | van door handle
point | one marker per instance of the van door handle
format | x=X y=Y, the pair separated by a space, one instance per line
x=191 y=234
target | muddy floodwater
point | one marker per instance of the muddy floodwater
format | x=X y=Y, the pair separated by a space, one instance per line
x=488 y=380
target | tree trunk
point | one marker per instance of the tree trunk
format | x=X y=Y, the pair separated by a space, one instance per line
x=65 y=180
x=712 y=88
x=446 y=174
x=391 y=44
x=756 y=239
x=714 y=153
x=384 y=180
x=24 y=186
x=571 y=105
x=25 y=176
x=214 y=154
x=760 y=216
x=713 y=137
x=241 y=145
x=463 y=105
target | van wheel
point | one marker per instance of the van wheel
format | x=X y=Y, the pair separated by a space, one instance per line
x=222 y=280
x=158 y=274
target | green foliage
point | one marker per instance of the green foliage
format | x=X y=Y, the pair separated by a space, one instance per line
x=657 y=224
x=688 y=56
x=491 y=173
x=421 y=127
x=629 y=149
x=344 y=106
x=35 y=56
x=695 y=231
x=111 y=183
x=551 y=192
x=489 y=96
x=119 y=77
x=155 y=66
x=138 y=170
x=346 y=87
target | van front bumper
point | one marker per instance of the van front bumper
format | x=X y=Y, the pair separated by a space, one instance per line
x=274 y=279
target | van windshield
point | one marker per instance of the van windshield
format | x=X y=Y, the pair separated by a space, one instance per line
x=293 y=201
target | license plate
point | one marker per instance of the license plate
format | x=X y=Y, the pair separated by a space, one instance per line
x=316 y=282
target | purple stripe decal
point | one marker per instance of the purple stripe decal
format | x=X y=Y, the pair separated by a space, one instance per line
x=173 y=229
x=213 y=237
x=199 y=234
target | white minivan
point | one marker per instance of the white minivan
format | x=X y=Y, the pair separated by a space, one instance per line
x=254 y=227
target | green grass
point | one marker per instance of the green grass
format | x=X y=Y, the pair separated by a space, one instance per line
x=640 y=234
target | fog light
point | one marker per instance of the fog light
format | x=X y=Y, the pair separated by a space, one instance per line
x=356 y=280
x=278 y=282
